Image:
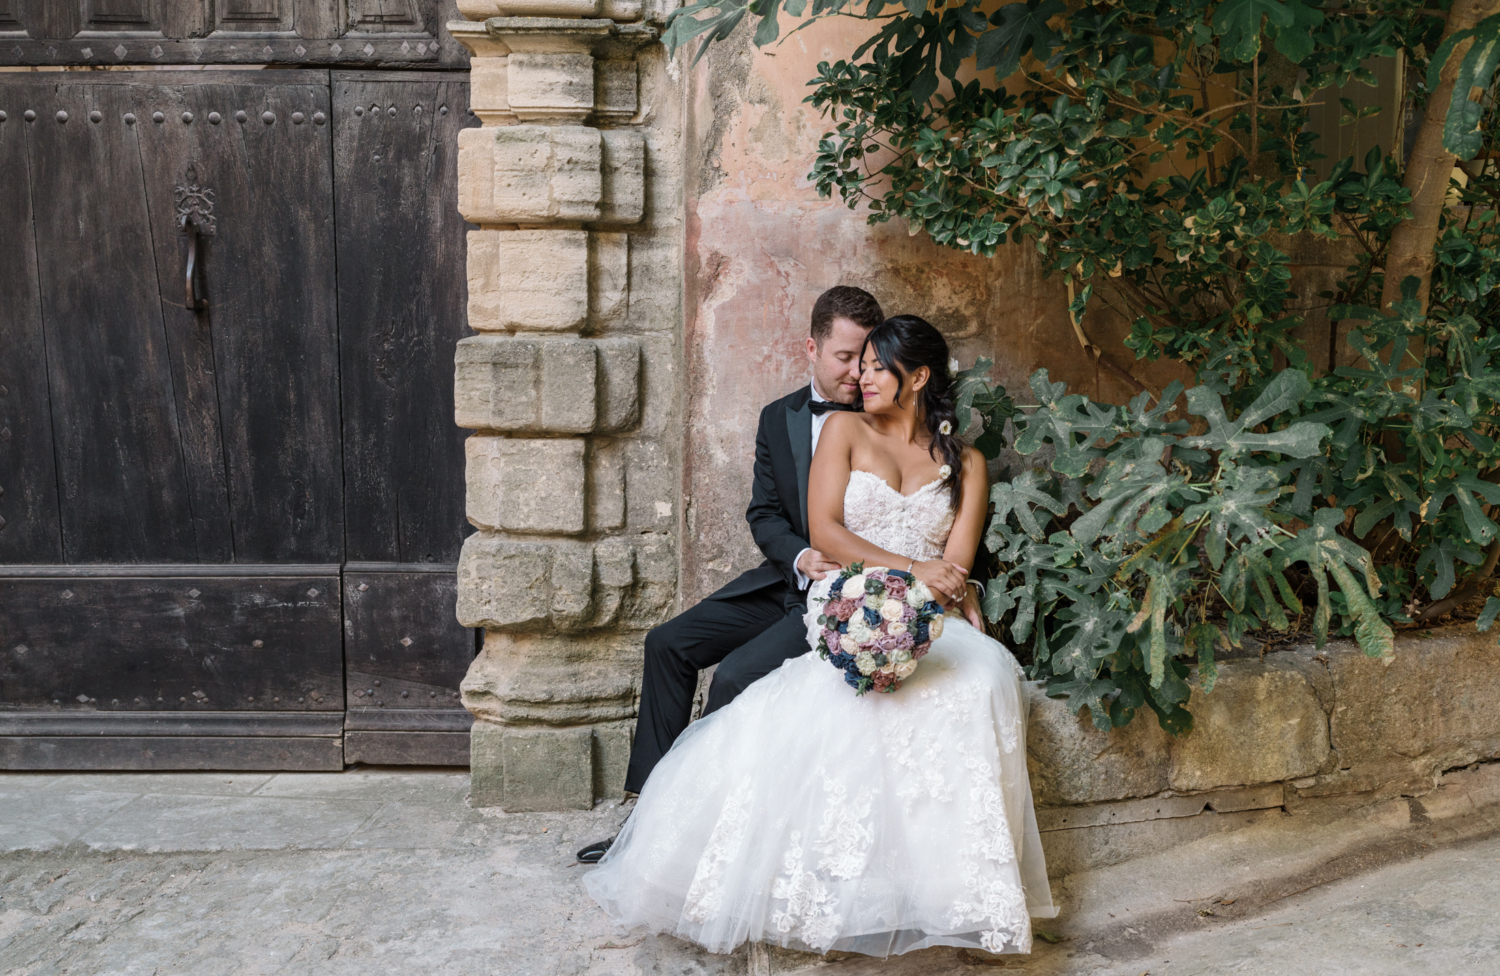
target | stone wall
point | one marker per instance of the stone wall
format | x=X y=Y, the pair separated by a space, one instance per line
x=570 y=386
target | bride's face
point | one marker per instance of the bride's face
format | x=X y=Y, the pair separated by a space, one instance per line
x=878 y=385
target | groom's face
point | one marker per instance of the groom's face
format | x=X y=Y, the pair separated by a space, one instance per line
x=835 y=361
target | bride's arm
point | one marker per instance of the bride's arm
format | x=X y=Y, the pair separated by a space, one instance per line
x=968 y=524
x=827 y=481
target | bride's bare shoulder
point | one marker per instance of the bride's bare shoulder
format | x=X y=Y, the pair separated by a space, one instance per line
x=974 y=459
x=846 y=424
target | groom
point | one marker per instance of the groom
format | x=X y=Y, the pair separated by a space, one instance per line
x=749 y=627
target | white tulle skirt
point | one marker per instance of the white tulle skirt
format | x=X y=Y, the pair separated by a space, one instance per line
x=804 y=816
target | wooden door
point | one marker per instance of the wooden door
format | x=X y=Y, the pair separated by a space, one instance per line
x=194 y=459
x=402 y=301
x=406 y=33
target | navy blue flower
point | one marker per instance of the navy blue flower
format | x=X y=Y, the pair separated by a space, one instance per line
x=843 y=626
x=933 y=607
x=872 y=617
x=836 y=588
x=919 y=634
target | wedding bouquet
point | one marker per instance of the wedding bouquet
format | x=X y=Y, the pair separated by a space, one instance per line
x=877 y=624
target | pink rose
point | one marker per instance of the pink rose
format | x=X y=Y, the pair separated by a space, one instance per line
x=883 y=680
x=895 y=589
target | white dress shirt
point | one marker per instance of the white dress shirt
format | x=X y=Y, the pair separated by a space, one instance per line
x=818 y=420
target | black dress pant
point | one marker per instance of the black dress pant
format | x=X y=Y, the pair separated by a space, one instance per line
x=748 y=636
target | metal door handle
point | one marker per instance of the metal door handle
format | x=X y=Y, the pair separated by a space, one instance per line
x=189 y=275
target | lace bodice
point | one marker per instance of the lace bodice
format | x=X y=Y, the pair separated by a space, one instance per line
x=915 y=526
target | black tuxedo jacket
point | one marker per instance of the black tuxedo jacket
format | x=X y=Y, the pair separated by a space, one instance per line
x=778 y=497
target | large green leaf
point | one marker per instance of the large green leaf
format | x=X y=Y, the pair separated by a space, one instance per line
x=1238 y=22
x=1022 y=496
x=1235 y=438
x=1326 y=552
x=1461 y=135
x=1019 y=28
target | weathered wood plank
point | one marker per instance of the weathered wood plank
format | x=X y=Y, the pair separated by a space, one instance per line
x=153 y=644
x=55 y=721
x=123 y=493
x=402 y=296
x=29 y=520
x=402 y=647
x=408 y=720
x=172 y=154
x=270 y=282
x=407 y=748
x=170 y=752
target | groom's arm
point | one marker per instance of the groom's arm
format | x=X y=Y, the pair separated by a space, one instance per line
x=769 y=526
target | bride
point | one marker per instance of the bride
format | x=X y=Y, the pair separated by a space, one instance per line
x=802 y=815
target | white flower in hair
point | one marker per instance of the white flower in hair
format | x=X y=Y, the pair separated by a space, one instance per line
x=945 y=428
x=944 y=472
x=953 y=365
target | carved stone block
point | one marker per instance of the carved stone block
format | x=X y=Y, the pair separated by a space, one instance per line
x=547 y=769
x=534 y=384
x=619 y=383
x=548 y=679
x=528 y=280
x=616 y=91
x=609 y=279
x=623 y=199
x=617 y=10
x=503 y=583
x=489 y=94
x=518 y=485
x=551 y=87
x=547 y=173
x=606 y=499
x=517 y=585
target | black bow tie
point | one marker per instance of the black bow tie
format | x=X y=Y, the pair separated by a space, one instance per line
x=823 y=406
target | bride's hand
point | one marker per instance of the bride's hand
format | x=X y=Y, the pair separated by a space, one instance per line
x=944 y=579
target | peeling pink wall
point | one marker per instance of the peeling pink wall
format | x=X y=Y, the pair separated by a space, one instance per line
x=761 y=246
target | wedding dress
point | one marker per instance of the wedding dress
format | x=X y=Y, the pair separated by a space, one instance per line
x=802 y=815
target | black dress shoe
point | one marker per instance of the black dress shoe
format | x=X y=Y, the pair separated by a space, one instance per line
x=594 y=853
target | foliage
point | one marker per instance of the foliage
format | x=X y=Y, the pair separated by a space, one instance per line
x=1157 y=152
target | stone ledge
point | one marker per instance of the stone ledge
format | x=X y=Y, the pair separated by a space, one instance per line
x=1297 y=730
x=1324 y=722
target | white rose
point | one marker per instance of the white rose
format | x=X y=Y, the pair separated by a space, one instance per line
x=935 y=628
x=854 y=587
x=896 y=628
x=891 y=610
x=905 y=669
x=918 y=594
x=848 y=644
x=902 y=654
x=865 y=661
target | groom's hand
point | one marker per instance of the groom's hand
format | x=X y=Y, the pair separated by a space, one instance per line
x=971 y=608
x=814 y=565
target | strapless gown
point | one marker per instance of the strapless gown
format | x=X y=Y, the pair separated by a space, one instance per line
x=804 y=816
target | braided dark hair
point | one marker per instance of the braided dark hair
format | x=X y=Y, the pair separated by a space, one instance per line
x=904 y=343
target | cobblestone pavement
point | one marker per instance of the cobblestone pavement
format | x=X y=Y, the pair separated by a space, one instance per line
x=391 y=873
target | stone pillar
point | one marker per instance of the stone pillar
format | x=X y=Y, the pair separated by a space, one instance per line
x=570 y=387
